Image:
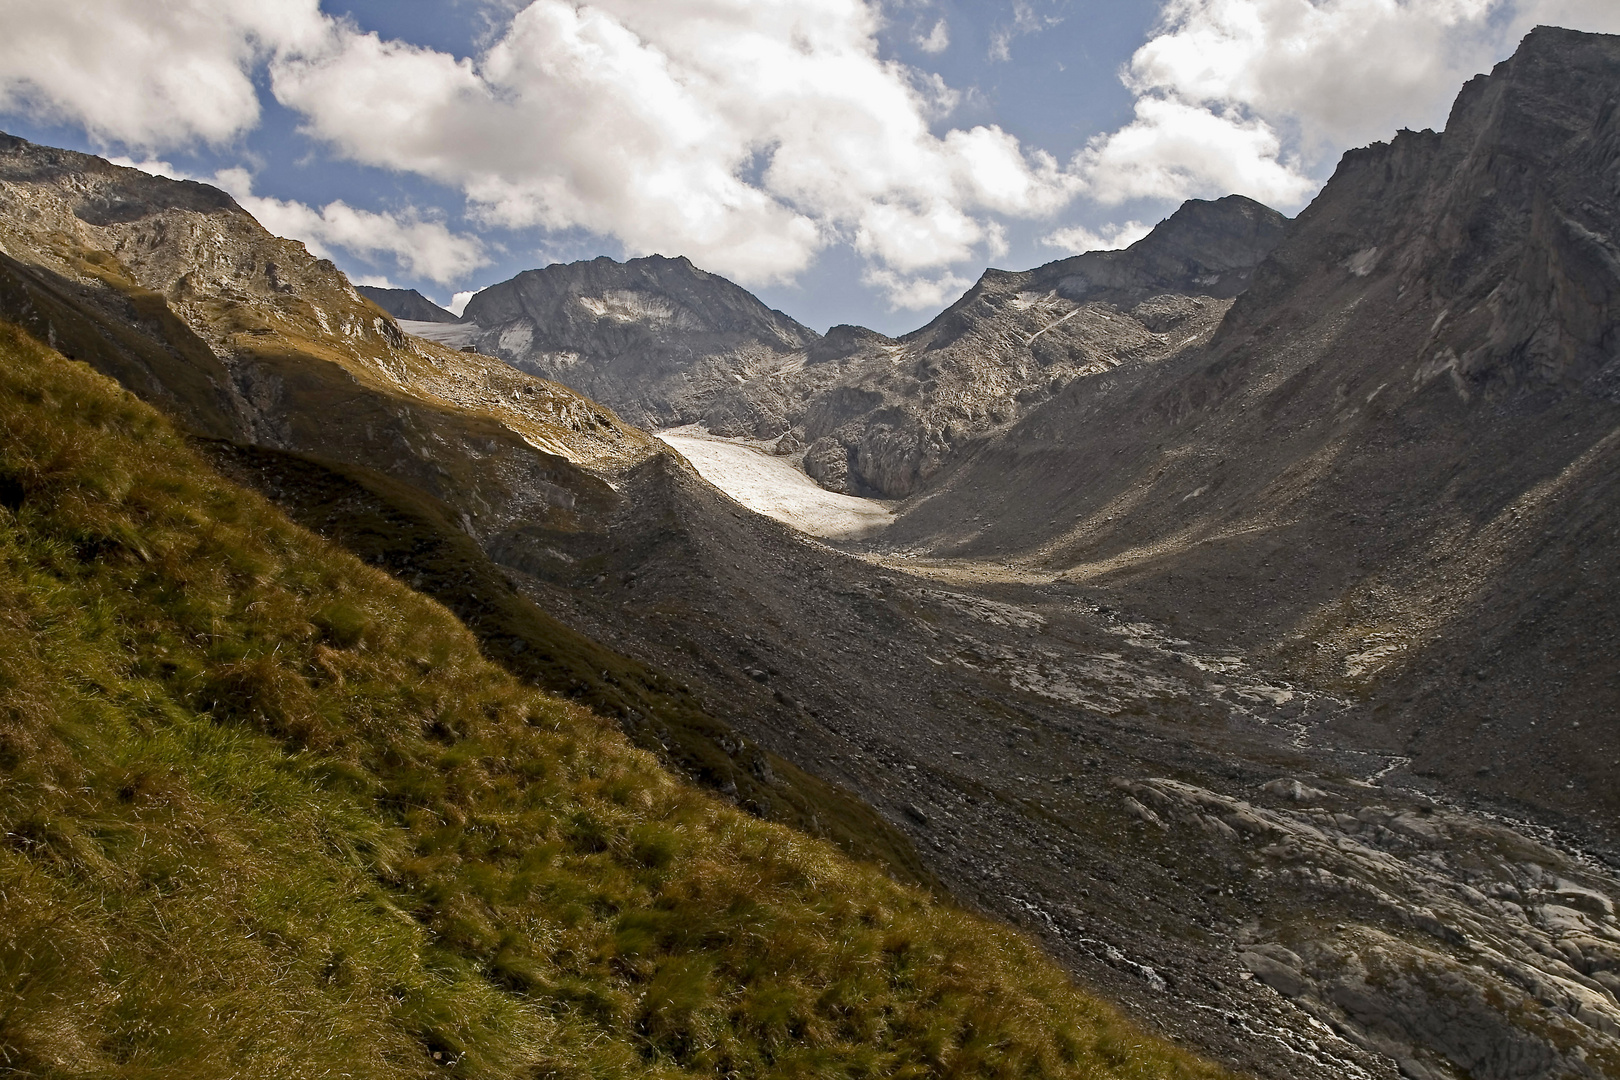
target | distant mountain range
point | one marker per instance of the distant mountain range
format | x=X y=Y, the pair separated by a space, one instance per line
x=406 y=304
x=667 y=344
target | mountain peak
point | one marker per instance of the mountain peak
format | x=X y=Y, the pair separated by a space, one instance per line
x=629 y=333
x=406 y=304
x=1207 y=247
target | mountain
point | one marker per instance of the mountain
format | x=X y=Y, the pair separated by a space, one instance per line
x=268 y=812
x=440 y=465
x=665 y=344
x=406 y=304
x=651 y=337
x=1137 y=771
x=1392 y=468
x=899 y=412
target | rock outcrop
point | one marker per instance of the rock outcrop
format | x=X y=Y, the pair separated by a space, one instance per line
x=899 y=412
x=1463 y=946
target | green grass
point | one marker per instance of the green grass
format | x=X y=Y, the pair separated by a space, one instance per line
x=269 y=813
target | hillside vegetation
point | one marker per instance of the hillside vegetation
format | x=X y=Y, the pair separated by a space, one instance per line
x=269 y=813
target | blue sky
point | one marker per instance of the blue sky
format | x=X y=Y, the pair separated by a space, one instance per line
x=848 y=160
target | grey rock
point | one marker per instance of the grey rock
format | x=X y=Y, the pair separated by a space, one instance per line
x=1383 y=466
x=1281 y=977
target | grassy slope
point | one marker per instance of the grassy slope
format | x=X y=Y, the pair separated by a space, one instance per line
x=269 y=813
x=405 y=531
x=130 y=333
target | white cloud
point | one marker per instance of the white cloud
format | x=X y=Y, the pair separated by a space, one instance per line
x=936 y=40
x=750 y=136
x=1593 y=16
x=154 y=166
x=1347 y=70
x=423 y=248
x=1174 y=150
x=1077 y=239
x=146 y=74
x=1259 y=96
x=915 y=292
x=458 y=303
x=747 y=136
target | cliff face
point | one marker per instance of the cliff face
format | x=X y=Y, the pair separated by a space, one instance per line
x=1393 y=467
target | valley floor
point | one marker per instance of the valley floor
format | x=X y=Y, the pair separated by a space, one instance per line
x=1175 y=823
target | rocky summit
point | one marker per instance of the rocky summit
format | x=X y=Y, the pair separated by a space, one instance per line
x=1242 y=639
x=651 y=337
x=407 y=304
x=898 y=412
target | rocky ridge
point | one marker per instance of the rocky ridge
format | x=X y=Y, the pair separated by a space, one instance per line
x=900 y=411
x=439 y=464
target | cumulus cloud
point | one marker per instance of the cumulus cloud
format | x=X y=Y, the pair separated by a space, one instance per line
x=1593 y=16
x=1174 y=150
x=143 y=74
x=913 y=292
x=747 y=136
x=423 y=248
x=1078 y=239
x=1258 y=96
x=750 y=136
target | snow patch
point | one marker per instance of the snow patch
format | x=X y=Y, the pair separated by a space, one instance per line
x=625 y=305
x=1362 y=262
x=772 y=486
x=454 y=335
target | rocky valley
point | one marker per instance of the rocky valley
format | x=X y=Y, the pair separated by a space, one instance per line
x=1242 y=634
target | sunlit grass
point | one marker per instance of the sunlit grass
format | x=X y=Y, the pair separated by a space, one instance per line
x=269 y=813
